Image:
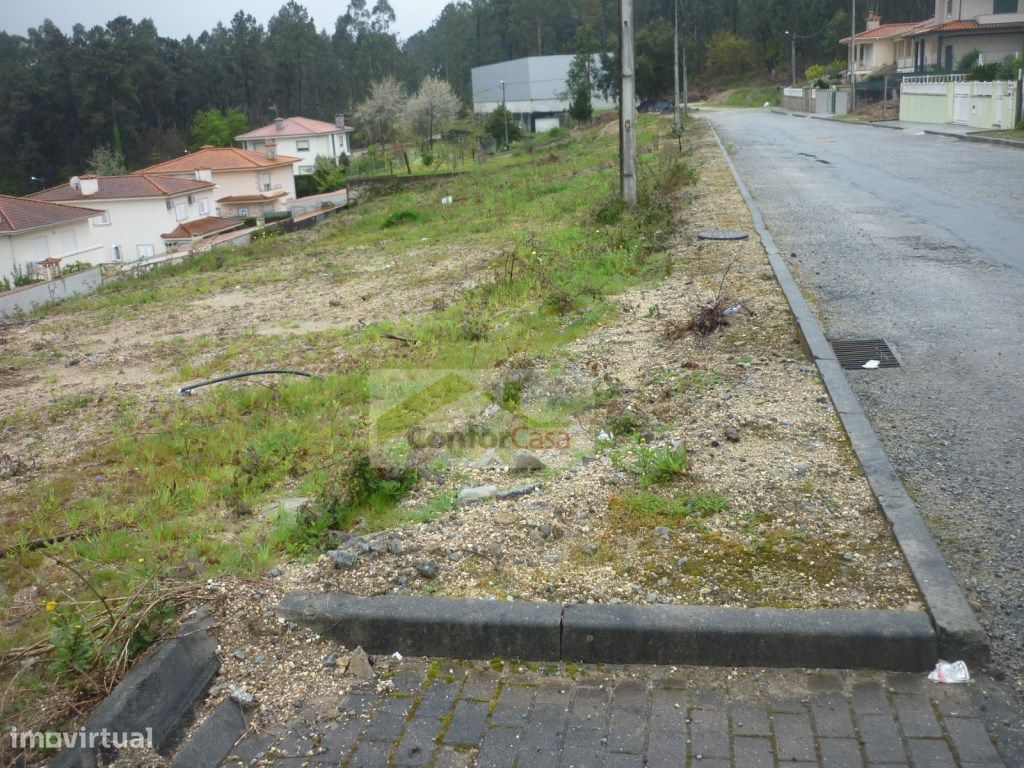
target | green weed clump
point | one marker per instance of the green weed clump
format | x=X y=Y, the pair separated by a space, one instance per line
x=400 y=217
x=657 y=466
x=697 y=506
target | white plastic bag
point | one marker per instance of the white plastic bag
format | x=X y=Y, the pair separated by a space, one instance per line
x=945 y=672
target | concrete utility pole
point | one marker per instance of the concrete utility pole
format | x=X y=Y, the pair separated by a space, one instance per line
x=686 y=86
x=675 y=64
x=853 y=55
x=504 y=111
x=627 y=105
x=792 y=58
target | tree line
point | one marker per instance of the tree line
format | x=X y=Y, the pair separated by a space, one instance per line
x=126 y=89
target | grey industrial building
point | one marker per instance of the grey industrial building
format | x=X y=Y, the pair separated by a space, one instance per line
x=534 y=89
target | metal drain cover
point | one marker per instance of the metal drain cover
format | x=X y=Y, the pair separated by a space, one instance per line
x=854 y=354
x=723 y=234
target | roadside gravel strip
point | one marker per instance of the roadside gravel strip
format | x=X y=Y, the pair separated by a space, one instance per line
x=959 y=633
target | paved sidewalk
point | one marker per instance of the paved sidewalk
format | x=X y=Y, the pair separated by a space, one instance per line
x=472 y=714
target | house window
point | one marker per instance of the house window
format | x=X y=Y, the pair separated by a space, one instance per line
x=204 y=206
x=243 y=211
x=306 y=169
x=949 y=9
x=1004 y=6
x=181 y=211
x=68 y=241
x=115 y=252
x=302 y=145
x=40 y=248
x=103 y=220
x=266 y=181
x=146 y=252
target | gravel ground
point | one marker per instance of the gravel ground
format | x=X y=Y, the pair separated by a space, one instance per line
x=800 y=528
x=926 y=252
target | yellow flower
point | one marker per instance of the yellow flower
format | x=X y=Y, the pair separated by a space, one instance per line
x=142 y=559
x=51 y=606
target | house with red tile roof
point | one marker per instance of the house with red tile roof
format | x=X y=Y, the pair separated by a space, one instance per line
x=132 y=213
x=248 y=184
x=304 y=138
x=33 y=232
x=994 y=27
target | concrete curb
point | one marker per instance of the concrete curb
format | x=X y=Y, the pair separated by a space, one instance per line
x=959 y=634
x=622 y=634
x=424 y=626
x=757 y=637
x=158 y=693
x=979 y=139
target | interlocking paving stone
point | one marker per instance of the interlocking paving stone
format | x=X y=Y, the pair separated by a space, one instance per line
x=917 y=717
x=513 y=706
x=931 y=753
x=583 y=749
x=752 y=752
x=832 y=716
x=666 y=749
x=668 y=711
x=370 y=754
x=971 y=741
x=952 y=700
x=623 y=717
x=840 y=753
x=389 y=720
x=499 y=748
x=214 y=739
x=794 y=739
x=467 y=723
x=627 y=727
x=881 y=739
x=709 y=733
x=749 y=720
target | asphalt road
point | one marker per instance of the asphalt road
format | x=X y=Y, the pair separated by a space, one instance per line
x=918 y=239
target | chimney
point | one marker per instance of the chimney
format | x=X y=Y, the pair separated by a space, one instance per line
x=88 y=185
x=339 y=120
x=279 y=123
x=204 y=174
x=874 y=21
x=271 y=148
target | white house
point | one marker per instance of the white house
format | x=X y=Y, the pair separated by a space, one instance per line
x=533 y=88
x=139 y=214
x=304 y=138
x=248 y=183
x=35 y=235
x=995 y=28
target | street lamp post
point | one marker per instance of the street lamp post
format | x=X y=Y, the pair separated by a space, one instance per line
x=792 y=58
x=853 y=55
x=504 y=111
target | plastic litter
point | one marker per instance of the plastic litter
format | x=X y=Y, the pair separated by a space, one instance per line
x=732 y=310
x=447 y=200
x=396 y=656
x=872 y=364
x=946 y=672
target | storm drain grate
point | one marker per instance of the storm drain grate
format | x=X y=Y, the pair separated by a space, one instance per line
x=859 y=353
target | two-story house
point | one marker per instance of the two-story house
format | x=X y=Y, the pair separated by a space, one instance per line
x=249 y=184
x=304 y=138
x=993 y=27
x=36 y=234
x=138 y=213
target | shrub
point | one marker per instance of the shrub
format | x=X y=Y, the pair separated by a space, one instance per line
x=397 y=218
x=501 y=120
x=984 y=73
x=5 y=284
x=814 y=73
x=24 y=277
x=968 y=61
x=730 y=56
x=75 y=266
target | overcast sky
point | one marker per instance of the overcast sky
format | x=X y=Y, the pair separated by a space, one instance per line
x=184 y=17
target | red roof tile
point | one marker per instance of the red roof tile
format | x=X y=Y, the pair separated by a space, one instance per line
x=19 y=213
x=219 y=159
x=201 y=228
x=293 y=126
x=257 y=198
x=884 y=32
x=125 y=186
